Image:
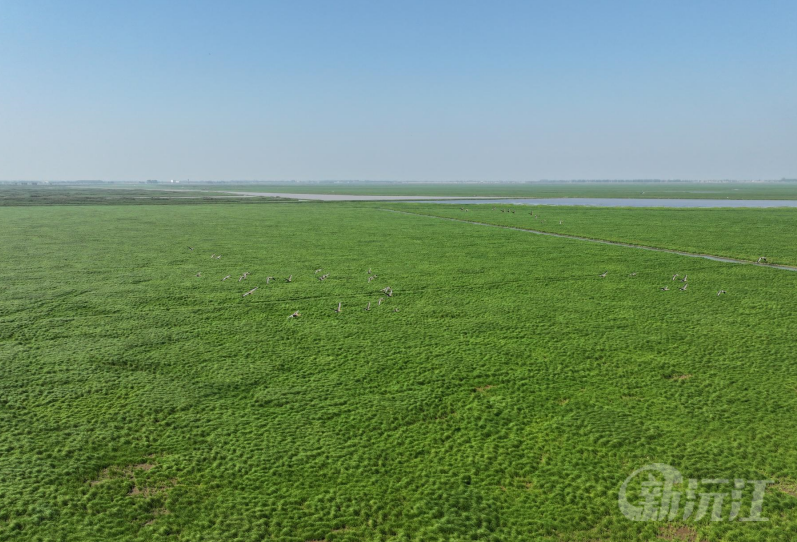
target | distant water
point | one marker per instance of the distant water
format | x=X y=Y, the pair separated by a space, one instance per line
x=630 y=202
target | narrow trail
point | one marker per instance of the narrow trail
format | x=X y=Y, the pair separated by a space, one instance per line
x=604 y=242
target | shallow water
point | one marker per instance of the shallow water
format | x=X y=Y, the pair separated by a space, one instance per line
x=597 y=202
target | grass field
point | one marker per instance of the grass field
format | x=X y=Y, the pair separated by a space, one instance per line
x=746 y=234
x=747 y=190
x=507 y=399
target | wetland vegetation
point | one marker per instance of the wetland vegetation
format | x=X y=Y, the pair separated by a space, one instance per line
x=507 y=399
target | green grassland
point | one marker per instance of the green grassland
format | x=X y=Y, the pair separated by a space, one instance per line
x=507 y=399
x=689 y=190
x=12 y=195
x=746 y=234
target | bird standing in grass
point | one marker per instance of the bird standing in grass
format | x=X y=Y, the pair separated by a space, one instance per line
x=269 y=279
x=665 y=289
x=685 y=277
x=379 y=302
x=762 y=259
x=190 y=248
x=684 y=288
x=289 y=279
x=225 y=278
x=295 y=315
x=368 y=306
x=250 y=291
x=339 y=307
x=199 y=274
x=632 y=274
x=317 y=271
x=721 y=292
x=603 y=276
x=675 y=276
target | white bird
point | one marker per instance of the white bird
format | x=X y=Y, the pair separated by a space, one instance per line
x=684 y=279
x=218 y=257
x=190 y=248
x=289 y=279
x=395 y=310
x=269 y=279
x=560 y=222
x=632 y=275
x=295 y=315
x=317 y=271
x=369 y=270
x=199 y=274
x=684 y=288
x=665 y=289
x=762 y=259
x=338 y=309
x=225 y=278
x=721 y=292
x=212 y=255
x=250 y=291
x=379 y=302
x=604 y=274
x=675 y=276
x=368 y=306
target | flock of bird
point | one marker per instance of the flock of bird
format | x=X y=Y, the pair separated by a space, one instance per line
x=388 y=291
x=676 y=276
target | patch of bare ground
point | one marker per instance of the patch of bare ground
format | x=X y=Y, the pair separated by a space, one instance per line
x=789 y=487
x=131 y=472
x=673 y=532
x=482 y=389
x=158 y=512
x=128 y=471
x=680 y=377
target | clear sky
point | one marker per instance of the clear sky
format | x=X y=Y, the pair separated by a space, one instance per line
x=409 y=90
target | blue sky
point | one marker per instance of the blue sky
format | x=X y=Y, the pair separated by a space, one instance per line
x=411 y=90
